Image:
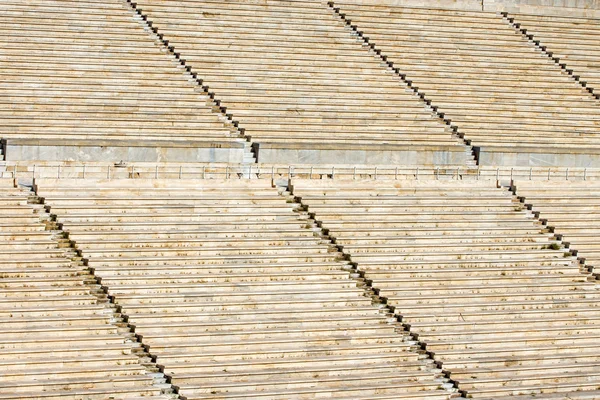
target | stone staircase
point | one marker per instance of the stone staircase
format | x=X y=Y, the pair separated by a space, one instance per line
x=300 y=86
x=513 y=104
x=85 y=81
x=471 y=154
x=495 y=298
x=570 y=42
x=569 y=208
x=146 y=253
x=60 y=338
x=235 y=293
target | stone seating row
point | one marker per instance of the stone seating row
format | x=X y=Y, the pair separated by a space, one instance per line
x=300 y=85
x=281 y=173
x=570 y=208
x=235 y=292
x=488 y=290
x=57 y=338
x=87 y=81
x=572 y=40
x=513 y=104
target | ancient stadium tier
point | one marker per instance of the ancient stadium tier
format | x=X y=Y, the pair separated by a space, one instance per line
x=299 y=199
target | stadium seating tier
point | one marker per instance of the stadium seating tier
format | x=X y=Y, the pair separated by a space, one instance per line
x=236 y=294
x=58 y=339
x=508 y=99
x=301 y=86
x=86 y=81
x=489 y=292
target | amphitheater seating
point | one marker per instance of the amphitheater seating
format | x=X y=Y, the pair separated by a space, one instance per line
x=83 y=80
x=236 y=293
x=573 y=40
x=510 y=101
x=56 y=338
x=301 y=86
x=469 y=270
x=571 y=208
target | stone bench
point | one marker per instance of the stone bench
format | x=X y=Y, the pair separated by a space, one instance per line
x=108 y=70
x=392 y=29
x=510 y=292
x=318 y=63
x=569 y=208
x=57 y=339
x=134 y=242
x=571 y=40
x=211 y=290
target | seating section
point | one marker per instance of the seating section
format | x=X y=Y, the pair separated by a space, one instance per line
x=509 y=100
x=301 y=85
x=573 y=40
x=571 y=209
x=83 y=80
x=160 y=238
x=236 y=293
x=56 y=338
x=469 y=270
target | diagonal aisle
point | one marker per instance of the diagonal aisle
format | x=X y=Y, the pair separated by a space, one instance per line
x=236 y=293
x=57 y=338
x=300 y=85
x=571 y=209
x=84 y=80
x=571 y=40
x=508 y=99
x=472 y=274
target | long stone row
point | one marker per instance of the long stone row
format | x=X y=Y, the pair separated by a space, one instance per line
x=301 y=85
x=83 y=80
x=236 y=293
x=574 y=41
x=57 y=338
x=571 y=209
x=512 y=102
x=496 y=299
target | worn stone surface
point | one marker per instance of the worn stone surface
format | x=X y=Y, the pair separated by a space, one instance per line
x=237 y=293
x=291 y=72
x=18 y=150
x=571 y=8
x=488 y=81
x=57 y=339
x=574 y=41
x=571 y=208
x=538 y=157
x=487 y=288
x=280 y=153
x=76 y=71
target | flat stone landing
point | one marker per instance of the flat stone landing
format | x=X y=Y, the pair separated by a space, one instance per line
x=117 y=150
x=310 y=153
x=538 y=157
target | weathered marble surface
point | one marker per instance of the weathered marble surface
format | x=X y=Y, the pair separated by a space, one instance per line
x=58 y=340
x=537 y=157
x=576 y=8
x=493 y=294
x=571 y=208
x=490 y=82
x=151 y=152
x=573 y=8
x=237 y=293
x=421 y=155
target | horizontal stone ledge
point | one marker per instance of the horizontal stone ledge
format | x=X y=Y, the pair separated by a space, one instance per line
x=364 y=147
x=329 y=153
x=125 y=143
x=125 y=150
x=540 y=156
